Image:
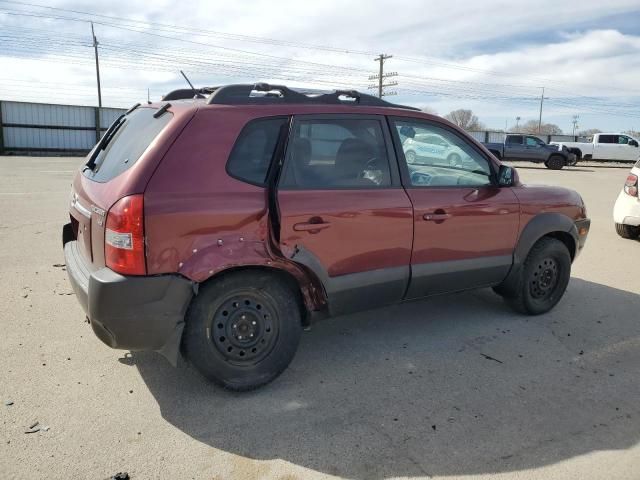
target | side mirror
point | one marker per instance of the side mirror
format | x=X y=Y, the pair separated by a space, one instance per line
x=506 y=176
x=633 y=143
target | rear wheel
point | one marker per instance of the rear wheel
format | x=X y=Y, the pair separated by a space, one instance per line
x=627 y=231
x=243 y=329
x=543 y=279
x=555 y=162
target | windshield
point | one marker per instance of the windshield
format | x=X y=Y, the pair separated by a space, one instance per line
x=126 y=141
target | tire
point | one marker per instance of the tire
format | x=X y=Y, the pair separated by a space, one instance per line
x=627 y=231
x=454 y=160
x=543 y=278
x=410 y=156
x=555 y=162
x=243 y=329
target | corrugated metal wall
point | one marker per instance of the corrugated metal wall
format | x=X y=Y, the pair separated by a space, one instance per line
x=498 y=137
x=46 y=129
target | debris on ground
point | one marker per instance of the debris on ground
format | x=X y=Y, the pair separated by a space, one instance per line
x=488 y=357
x=59 y=265
x=33 y=428
x=8 y=403
x=120 y=476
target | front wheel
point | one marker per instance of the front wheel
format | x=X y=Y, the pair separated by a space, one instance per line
x=243 y=329
x=627 y=231
x=555 y=162
x=410 y=156
x=544 y=277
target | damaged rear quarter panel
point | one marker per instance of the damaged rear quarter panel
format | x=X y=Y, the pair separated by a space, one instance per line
x=200 y=221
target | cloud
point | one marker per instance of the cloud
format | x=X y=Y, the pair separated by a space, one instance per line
x=575 y=51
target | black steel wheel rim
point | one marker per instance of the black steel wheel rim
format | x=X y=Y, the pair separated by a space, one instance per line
x=544 y=279
x=244 y=328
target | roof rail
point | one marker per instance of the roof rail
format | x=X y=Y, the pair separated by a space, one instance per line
x=188 y=93
x=241 y=94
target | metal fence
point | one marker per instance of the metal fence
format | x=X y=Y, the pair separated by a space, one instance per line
x=46 y=129
x=498 y=137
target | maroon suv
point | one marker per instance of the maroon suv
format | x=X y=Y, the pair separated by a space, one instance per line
x=220 y=225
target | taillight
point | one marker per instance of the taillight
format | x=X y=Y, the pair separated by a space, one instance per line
x=124 y=236
x=631 y=185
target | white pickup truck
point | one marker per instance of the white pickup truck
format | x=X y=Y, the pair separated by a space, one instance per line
x=605 y=146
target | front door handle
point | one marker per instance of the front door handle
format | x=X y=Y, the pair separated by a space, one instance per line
x=311 y=227
x=438 y=216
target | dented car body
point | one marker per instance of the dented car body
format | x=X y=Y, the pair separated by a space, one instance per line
x=317 y=193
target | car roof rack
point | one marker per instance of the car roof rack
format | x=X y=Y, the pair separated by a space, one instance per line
x=188 y=93
x=266 y=94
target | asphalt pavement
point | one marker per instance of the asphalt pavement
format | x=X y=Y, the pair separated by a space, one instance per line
x=455 y=386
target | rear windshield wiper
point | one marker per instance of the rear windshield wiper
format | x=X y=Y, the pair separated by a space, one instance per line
x=104 y=141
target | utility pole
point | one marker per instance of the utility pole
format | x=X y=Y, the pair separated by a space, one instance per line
x=542 y=99
x=575 y=124
x=382 y=76
x=95 y=49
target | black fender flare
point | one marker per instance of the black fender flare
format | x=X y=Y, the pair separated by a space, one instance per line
x=495 y=153
x=541 y=225
x=559 y=153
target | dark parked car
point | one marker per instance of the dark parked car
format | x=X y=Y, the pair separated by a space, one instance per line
x=220 y=226
x=531 y=149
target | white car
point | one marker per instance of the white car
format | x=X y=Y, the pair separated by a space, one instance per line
x=432 y=149
x=604 y=146
x=626 y=212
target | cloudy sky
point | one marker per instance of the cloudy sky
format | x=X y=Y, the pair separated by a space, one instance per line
x=492 y=56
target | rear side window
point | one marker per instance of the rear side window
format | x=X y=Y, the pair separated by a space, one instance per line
x=251 y=155
x=131 y=139
x=514 y=140
x=608 y=139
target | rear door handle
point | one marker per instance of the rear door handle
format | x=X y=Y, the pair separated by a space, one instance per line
x=310 y=227
x=436 y=217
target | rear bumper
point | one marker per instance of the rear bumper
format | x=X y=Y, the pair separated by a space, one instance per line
x=130 y=312
x=627 y=210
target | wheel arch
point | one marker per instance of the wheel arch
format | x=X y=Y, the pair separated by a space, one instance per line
x=305 y=303
x=544 y=225
x=548 y=224
x=577 y=151
x=495 y=153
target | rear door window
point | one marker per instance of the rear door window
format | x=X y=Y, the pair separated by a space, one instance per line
x=128 y=144
x=514 y=140
x=337 y=153
x=252 y=154
x=608 y=139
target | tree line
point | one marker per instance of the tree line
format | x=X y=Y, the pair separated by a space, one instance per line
x=467 y=120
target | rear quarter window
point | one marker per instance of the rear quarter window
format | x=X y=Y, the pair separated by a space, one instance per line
x=128 y=144
x=254 y=149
